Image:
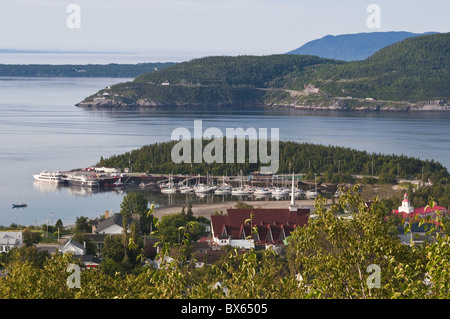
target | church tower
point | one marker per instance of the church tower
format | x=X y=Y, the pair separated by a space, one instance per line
x=406 y=206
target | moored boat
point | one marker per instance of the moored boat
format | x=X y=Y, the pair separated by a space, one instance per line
x=21 y=205
x=262 y=192
x=117 y=183
x=49 y=177
x=169 y=190
x=311 y=194
x=222 y=191
x=82 y=181
x=239 y=192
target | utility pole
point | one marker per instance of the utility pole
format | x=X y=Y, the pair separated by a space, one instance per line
x=372 y=167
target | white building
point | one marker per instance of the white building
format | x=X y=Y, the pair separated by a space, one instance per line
x=406 y=206
x=73 y=247
x=111 y=225
x=406 y=210
x=10 y=239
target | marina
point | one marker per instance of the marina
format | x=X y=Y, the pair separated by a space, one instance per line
x=108 y=179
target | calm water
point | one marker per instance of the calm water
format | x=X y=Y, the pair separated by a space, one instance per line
x=40 y=128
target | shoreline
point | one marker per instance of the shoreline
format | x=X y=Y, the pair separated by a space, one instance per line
x=427 y=108
x=208 y=209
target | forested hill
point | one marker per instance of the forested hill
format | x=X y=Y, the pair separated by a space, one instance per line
x=415 y=69
x=211 y=81
x=409 y=75
x=335 y=163
x=89 y=70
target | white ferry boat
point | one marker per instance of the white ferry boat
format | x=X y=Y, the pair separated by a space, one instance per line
x=82 y=180
x=49 y=177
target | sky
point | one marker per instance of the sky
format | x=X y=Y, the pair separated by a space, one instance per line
x=194 y=28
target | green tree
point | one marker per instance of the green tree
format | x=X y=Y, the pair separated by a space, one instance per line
x=332 y=255
x=59 y=224
x=169 y=228
x=31 y=237
x=28 y=254
x=189 y=213
x=113 y=248
x=83 y=225
x=136 y=203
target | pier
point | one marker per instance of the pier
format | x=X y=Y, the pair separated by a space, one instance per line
x=102 y=179
x=110 y=177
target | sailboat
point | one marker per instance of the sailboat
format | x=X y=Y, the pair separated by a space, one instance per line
x=312 y=194
x=19 y=205
x=223 y=189
x=169 y=188
x=263 y=191
x=240 y=191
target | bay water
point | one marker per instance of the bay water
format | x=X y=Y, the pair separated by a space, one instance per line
x=40 y=128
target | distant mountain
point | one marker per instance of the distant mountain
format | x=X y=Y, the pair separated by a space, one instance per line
x=412 y=74
x=352 y=47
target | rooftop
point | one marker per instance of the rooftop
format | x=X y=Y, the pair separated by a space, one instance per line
x=272 y=224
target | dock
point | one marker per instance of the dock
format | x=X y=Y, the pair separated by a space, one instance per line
x=107 y=177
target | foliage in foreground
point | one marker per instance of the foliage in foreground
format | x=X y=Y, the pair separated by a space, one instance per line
x=326 y=259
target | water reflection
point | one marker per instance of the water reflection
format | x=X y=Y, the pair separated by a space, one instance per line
x=44 y=187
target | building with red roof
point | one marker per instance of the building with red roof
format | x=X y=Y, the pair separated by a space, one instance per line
x=270 y=225
x=406 y=210
x=267 y=227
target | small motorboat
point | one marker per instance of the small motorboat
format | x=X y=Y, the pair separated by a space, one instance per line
x=22 y=205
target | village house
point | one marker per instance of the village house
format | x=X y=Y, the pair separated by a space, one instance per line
x=10 y=239
x=71 y=246
x=79 y=251
x=268 y=228
x=112 y=225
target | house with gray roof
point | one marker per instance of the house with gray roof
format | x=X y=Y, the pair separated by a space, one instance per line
x=10 y=239
x=79 y=250
x=112 y=225
x=73 y=247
